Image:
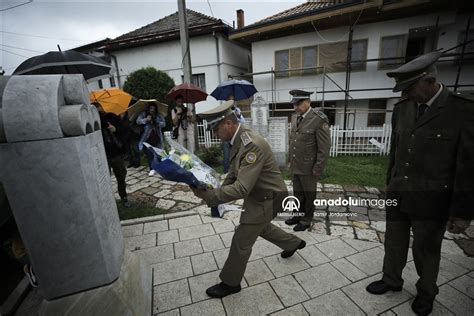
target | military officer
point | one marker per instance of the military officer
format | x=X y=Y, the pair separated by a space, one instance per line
x=255 y=177
x=430 y=174
x=310 y=141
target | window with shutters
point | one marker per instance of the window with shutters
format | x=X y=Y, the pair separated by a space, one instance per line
x=296 y=62
x=390 y=47
x=332 y=55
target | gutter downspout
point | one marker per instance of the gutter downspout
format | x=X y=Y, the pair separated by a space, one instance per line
x=119 y=82
x=219 y=76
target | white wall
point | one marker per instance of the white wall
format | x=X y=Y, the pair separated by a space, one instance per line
x=167 y=57
x=263 y=57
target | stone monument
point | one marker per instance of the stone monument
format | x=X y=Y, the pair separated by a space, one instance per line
x=259 y=114
x=273 y=129
x=55 y=174
x=278 y=138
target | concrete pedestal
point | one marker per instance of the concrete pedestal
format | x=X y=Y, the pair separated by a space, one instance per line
x=130 y=295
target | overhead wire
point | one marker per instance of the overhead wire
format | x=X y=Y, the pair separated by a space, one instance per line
x=210 y=8
x=343 y=36
x=7 y=51
x=16 y=6
x=47 y=37
x=25 y=49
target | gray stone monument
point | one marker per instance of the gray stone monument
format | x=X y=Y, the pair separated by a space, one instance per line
x=278 y=138
x=259 y=114
x=55 y=174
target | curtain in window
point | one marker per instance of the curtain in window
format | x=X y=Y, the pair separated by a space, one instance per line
x=392 y=46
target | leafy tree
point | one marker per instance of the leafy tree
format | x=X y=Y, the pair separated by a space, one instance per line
x=148 y=83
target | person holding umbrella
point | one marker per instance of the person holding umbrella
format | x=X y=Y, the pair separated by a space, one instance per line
x=183 y=121
x=153 y=122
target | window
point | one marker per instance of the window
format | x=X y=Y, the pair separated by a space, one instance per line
x=101 y=86
x=282 y=62
x=390 y=47
x=377 y=110
x=332 y=55
x=359 y=52
x=198 y=80
x=310 y=59
x=112 y=81
x=469 y=46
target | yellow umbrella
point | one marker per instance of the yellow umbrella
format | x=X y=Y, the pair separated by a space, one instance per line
x=113 y=100
x=141 y=105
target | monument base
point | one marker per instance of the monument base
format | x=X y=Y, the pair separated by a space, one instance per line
x=130 y=294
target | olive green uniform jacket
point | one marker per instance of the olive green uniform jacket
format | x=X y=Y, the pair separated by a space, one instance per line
x=431 y=167
x=310 y=142
x=253 y=176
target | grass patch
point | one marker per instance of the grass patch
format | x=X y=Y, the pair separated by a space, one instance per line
x=137 y=210
x=355 y=170
x=142 y=205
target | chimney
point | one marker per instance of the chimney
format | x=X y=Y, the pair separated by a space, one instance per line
x=240 y=19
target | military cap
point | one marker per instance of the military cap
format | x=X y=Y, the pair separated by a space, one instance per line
x=408 y=74
x=217 y=114
x=299 y=95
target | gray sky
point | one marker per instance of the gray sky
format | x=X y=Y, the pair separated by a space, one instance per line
x=37 y=27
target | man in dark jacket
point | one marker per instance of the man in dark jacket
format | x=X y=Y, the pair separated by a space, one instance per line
x=430 y=174
x=113 y=134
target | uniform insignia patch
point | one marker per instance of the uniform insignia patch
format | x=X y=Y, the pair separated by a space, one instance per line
x=245 y=137
x=251 y=157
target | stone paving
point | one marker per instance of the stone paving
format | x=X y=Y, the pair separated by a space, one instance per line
x=186 y=249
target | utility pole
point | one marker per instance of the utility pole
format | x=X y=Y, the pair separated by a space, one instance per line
x=184 y=37
x=185 y=51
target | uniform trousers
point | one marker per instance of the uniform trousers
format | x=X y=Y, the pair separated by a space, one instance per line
x=304 y=188
x=427 y=238
x=241 y=248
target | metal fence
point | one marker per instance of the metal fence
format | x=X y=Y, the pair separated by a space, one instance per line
x=366 y=141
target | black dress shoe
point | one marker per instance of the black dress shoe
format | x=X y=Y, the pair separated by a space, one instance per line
x=221 y=290
x=380 y=287
x=292 y=221
x=422 y=306
x=300 y=227
x=289 y=253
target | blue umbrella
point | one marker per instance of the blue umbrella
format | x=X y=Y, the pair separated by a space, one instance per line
x=239 y=89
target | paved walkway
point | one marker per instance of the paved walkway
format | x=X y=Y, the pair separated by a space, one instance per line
x=186 y=249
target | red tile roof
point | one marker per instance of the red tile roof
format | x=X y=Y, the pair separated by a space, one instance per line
x=301 y=9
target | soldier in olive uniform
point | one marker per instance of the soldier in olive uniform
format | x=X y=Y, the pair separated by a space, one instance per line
x=430 y=174
x=255 y=177
x=310 y=141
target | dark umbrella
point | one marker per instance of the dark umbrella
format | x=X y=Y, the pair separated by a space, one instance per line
x=239 y=89
x=190 y=93
x=67 y=62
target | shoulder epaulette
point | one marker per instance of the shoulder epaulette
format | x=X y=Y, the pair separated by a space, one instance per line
x=320 y=114
x=401 y=100
x=463 y=97
x=246 y=139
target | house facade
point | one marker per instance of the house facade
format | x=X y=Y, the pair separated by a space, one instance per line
x=306 y=47
x=213 y=55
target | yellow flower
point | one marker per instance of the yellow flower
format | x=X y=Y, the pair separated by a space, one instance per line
x=185 y=158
